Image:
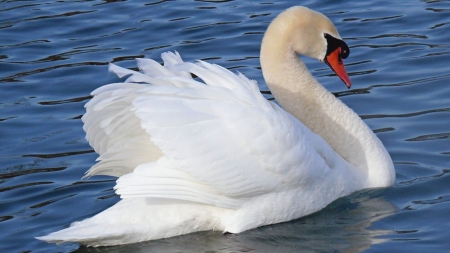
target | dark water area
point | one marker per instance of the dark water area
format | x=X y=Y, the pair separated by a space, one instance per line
x=54 y=53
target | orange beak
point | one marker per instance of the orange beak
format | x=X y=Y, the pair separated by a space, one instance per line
x=334 y=61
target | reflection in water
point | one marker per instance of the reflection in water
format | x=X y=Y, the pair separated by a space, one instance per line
x=341 y=227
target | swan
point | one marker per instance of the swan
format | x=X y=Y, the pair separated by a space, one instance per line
x=216 y=155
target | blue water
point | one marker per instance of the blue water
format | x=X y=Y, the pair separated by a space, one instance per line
x=54 y=53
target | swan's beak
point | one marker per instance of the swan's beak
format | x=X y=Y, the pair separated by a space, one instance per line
x=334 y=61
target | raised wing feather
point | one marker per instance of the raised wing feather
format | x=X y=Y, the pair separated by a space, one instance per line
x=218 y=143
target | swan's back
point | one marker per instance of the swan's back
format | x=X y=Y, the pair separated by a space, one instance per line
x=217 y=135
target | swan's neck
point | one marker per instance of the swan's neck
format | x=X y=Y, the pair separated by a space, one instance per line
x=300 y=94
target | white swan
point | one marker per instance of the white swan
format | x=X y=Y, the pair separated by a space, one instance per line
x=193 y=157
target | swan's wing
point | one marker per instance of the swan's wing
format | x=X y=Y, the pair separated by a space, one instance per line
x=218 y=143
x=113 y=130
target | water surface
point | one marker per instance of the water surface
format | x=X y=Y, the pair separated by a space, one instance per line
x=54 y=53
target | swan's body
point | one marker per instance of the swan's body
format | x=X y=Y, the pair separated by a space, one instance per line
x=193 y=157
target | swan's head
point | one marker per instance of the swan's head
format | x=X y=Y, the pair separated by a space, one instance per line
x=312 y=34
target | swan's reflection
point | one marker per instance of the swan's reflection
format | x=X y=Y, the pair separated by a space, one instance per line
x=341 y=227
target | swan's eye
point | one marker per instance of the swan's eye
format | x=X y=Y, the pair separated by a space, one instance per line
x=345 y=51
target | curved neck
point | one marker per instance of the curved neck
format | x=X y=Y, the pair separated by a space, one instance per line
x=300 y=94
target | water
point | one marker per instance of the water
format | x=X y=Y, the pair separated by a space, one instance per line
x=54 y=53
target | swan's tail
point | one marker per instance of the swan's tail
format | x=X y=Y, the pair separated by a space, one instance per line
x=88 y=234
x=136 y=220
